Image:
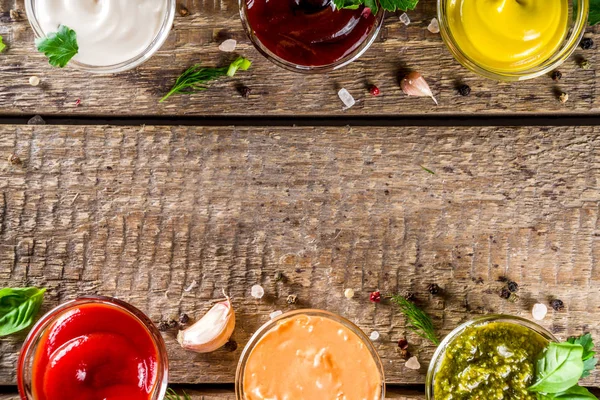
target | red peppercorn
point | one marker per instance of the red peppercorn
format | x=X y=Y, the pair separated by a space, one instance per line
x=375 y=297
x=374 y=90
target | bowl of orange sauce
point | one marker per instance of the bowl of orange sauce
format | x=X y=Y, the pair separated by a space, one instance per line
x=309 y=354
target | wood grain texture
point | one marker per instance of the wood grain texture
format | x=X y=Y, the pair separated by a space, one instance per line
x=146 y=213
x=275 y=91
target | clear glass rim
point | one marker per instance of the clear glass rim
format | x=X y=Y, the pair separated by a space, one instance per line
x=440 y=352
x=576 y=31
x=310 y=69
x=153 y=47
x=162 y=378
x=239 y=374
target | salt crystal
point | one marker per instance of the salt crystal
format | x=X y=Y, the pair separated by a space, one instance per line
x=228 y=46
x=413 y=363
x=374 y=336
x=34 y=80
x=349 y=293
x=346 y=98
x=275 y=314
x=434 y=26
x=192 y=285
x=36 y=120
x=405 y=19
x=539 y=311
x=257 y=291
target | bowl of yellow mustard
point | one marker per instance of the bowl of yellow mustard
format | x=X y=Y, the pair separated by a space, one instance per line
x=512 y=40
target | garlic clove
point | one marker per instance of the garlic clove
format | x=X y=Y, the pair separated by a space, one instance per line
x=212 y=331
x=414 y=84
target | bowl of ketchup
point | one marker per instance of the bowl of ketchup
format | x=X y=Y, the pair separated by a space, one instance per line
x=309 y=36
x=93 y=348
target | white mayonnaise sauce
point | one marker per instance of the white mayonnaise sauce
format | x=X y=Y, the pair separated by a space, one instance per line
x=108 y=31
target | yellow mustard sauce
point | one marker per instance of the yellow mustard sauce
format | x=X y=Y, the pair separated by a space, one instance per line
x=508 y=35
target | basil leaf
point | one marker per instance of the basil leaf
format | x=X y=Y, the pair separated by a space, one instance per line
x=589 y=361
x=594 y=17
x=559 y=368
x=59 y=46
x=573 y=393
x=18 y=308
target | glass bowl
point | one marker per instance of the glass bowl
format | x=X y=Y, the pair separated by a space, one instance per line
x=156 y=44
x=239 y=375
x=577 y=22
x=25 y=362
x=310 y=69
x=440 y=352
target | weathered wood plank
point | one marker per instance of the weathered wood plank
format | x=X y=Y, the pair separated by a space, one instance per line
x=227 y=394
x=146 y=213
x=275 y=91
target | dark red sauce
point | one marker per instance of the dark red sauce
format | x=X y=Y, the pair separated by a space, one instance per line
x=308 y=32
x=95 y=352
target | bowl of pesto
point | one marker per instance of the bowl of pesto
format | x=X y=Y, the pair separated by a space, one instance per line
x=488 y=358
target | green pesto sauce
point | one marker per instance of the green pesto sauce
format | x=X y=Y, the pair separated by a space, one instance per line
x=491 y=361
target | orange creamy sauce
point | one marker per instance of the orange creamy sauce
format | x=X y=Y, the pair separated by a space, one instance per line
x=309 y=358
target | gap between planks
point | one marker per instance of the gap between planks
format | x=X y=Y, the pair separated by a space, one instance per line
x=450 y=120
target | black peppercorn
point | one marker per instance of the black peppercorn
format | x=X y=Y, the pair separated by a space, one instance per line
x=184 y=319
x=556 y=75
x=245 y=92
x=586 y=43
x=163 y=326
x=505 y=293
x=231 y=346
x=464 y=90
x=173 y=324
x=434 y=288
x=512 y=286
x=557 y=305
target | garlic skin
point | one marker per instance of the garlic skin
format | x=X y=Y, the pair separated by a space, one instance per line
x=212 y=331
x=414 y=84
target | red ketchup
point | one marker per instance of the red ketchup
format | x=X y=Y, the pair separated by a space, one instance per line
x=95 y=352
x=308 y=32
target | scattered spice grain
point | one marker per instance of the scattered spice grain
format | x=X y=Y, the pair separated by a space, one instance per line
x=557 y=304
x=182 y=10
x=464 y=90
x=586 y=43
x=292 y=299
x=556 y=75
x=434 y=289
x=375 y=297
x=184 y=319
x=585 y=64
x=563 y=98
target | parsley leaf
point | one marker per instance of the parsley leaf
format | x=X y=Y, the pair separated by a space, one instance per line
x=2 y=45
x=388 y=5
x=59 y=46
x=594 y=17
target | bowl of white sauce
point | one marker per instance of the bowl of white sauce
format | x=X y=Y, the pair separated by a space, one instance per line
x=112 y=35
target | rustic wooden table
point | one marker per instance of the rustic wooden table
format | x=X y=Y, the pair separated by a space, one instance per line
x=116 y=196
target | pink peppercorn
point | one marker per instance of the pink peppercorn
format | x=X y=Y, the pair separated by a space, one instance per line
x=374 y=90
x=375 y=297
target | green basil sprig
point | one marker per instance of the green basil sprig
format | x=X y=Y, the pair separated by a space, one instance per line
x=18 y=308
x=560 y=367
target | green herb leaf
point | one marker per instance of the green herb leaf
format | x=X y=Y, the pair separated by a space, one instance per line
x=172 y=395
x=18 y=308
x=427 y=170
x=2 y=45
x=589 y=361
x=559 y=368
x=241 y=63
x=389 y=5
x=417 y=320
x=573 y=393
x=59 y=46
x=196 y=78
x=594 y=16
